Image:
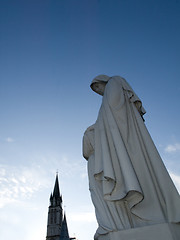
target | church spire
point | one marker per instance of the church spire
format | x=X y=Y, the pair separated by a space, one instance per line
x=64 y=230
x=57 y=225
x=56 y=198
x=56 y=192
x=55 y=213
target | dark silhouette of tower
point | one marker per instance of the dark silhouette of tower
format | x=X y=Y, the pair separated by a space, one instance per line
x=57 y=225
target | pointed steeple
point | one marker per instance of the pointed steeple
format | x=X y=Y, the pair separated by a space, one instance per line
x=56 y=198
x=51 y=199
x=64 y=230
x=55 y=213
x=56 y=192
x=57 y=225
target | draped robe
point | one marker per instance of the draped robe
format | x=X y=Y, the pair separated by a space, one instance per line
x=129 y=184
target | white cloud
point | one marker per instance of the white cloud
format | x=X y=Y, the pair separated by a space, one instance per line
x=20 y=183
x=9 y=140
x=71 y=168
x=64 y=164
x=173 y=148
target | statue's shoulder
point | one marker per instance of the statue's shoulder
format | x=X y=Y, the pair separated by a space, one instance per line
x=90 y=129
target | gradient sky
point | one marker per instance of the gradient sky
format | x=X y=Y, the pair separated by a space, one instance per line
x=50 y=50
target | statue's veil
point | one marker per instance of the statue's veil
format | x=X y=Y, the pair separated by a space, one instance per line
x=99 y=78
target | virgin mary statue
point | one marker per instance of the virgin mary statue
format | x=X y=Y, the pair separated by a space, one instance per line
x=129 y=184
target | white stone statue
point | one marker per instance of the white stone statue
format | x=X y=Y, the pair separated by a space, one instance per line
x=129 y=184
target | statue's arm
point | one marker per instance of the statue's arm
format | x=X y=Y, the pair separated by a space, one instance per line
x=88 y=139
x=115 y=92
x=85 y=147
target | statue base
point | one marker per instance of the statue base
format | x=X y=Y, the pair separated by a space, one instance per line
x=165 y=231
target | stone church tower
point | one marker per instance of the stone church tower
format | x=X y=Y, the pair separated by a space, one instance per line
x=57 y=226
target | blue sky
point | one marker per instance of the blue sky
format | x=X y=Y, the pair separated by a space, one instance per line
x=50 y=50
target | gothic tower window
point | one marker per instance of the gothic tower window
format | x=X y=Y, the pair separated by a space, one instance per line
x=55 y=217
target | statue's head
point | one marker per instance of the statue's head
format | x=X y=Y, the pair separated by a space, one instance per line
x=98 y=84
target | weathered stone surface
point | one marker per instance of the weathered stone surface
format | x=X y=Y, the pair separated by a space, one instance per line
x=155 y=232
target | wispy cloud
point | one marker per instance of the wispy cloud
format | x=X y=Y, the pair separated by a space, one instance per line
x=9 y=140
x=19 y=183
x=173 y=148
x=72 y=168
x=64 y=164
